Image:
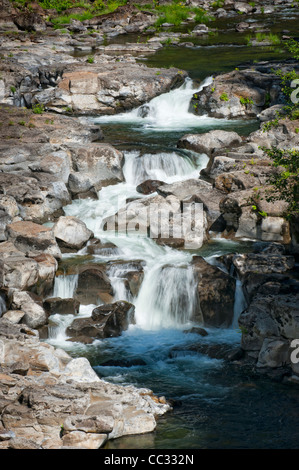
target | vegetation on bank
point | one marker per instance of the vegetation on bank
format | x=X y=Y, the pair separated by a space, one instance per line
x=285 y=179
x=174 y=13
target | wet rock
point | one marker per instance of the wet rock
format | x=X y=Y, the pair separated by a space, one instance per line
x=96 y=247
x=106 y=321
x=94 y=286
x=216 y=293
x=148 y=186
x=62 y=306
x=268 y=326
x=197 y=330
x=71 y=233
x=260 y=263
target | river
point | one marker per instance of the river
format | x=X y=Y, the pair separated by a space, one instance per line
x=216 y=404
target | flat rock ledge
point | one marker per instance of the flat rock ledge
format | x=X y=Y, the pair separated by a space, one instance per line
x=49 y=400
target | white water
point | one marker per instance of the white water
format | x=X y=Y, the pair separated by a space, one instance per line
x=167 y=167
x=65 y=286
x=167 y=296
x=169 y=111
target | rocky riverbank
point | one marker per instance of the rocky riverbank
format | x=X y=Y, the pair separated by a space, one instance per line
x=50 y=154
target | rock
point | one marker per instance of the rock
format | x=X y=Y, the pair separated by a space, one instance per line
x=98 y=165
x=260 y=263
x=106 y=321
x=96 y=247
x=216 y=292
x=54 y=305
x=93 y=286
x=237 y=94
x=29 y=21
x=33 y=239
x=148 y=186
x=14 y=316
x=237 y=211
x=268 y=325
x=197 y=191
x=34 y=315
x=209 y=141
x=78 y=439
x=162 y=217
x=71 y=233
x=106 y=90
x=197 y=330
x=274 y=353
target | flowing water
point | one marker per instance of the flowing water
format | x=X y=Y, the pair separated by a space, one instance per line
x=217 y=405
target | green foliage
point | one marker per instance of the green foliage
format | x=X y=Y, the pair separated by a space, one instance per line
x=245 y=101
x=38 y=108
x=13 y=89
x=261 y=37
x=90 y=59
x=284 y=180
x=58 y=5
x=177 y=12
x=224 y=97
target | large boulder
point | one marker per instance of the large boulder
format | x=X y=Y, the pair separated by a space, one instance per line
x=93 y=286
x=237 y=94
x=95 y=166
x=18 y=271
x=106 y=321
x=209 y=141
x=268 y=326
x=33 y=239
x=71 y=233
x=216 y=293
x=34 y=314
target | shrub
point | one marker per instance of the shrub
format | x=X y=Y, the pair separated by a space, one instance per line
x=224 y=97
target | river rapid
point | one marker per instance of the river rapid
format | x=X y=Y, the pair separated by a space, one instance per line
x=216 y=404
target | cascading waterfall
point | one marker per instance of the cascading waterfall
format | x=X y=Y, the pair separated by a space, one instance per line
x=168 y=111
x=117 y=278
x=168 y=167
x=65 y=286
x=168 y=293
x=167 y=297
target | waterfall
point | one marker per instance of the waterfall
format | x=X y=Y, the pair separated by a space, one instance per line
x=167 y=297
x=171 y=110
x=162 y=166
x=65 y=286
x=168 y=111
x=240 y=303
x=117 y=278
